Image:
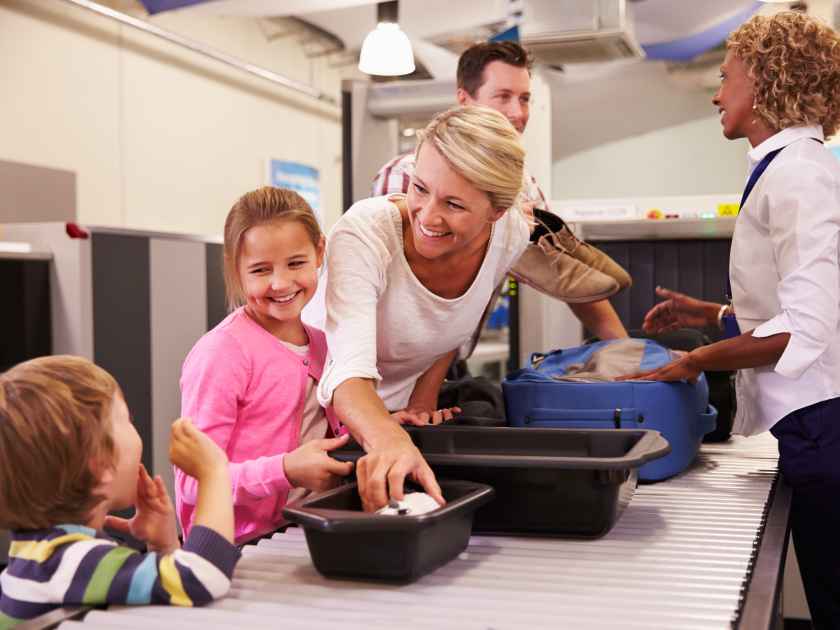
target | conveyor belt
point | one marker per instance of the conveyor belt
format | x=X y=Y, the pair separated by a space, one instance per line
x=679 y=558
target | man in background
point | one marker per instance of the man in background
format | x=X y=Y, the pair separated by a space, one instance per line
x=498 y=75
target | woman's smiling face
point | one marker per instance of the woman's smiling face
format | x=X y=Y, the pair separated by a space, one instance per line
x=734 y=99
x=447 y=212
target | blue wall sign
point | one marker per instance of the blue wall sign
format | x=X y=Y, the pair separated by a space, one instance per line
x=299 y=177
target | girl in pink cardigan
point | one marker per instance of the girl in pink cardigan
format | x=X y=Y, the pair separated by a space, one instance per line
x=250 y=383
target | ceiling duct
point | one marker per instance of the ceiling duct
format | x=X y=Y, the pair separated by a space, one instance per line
x=578 y=31
x=410 y=99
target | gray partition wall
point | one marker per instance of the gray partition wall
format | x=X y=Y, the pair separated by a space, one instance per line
x=135 y=303
x=216 y=301
x=153 y=297
x=121 y=323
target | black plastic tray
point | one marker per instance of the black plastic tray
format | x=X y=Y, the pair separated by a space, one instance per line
x=346 y=542
x=563 y=482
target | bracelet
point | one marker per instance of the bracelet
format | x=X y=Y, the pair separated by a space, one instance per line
x=721 y=312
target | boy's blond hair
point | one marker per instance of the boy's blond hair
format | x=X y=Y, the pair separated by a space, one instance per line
x=55 y=435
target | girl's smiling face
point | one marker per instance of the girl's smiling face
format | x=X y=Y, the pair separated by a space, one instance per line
x=278 y=272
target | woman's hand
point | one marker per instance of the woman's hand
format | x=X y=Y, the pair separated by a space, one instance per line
x=419 y=416
x=685 y=368
x=310 y=466
x=154 y=518
x=679 y=311
x=391 y=455
x=382 y=472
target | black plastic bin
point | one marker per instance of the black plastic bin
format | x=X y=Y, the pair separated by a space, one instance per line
x=346 y=542
x=561 y=482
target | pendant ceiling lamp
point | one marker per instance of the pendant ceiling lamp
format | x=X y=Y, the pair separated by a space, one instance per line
x=386 y=50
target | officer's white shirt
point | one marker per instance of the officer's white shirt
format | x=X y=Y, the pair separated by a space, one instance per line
x=785 y=273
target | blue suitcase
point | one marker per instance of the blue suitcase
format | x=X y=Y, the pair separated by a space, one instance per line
x=680 y=411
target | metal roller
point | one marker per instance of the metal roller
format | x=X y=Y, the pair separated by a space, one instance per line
x=679 y=558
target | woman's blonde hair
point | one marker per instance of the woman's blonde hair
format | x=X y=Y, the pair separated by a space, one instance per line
x=794 y=61
x=55 y=437
x=264 y=205
x=483 y=147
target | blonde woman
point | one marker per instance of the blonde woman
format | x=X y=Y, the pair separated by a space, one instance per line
x=780 y=89
x=409 y=277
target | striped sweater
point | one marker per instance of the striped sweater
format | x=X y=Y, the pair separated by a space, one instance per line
x=74 y=565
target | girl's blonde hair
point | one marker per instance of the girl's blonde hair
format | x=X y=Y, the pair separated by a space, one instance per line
x=794 y=61
x=483 y=147
x=264 y=205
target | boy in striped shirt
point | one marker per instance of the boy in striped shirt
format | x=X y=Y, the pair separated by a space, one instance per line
x=70 y=455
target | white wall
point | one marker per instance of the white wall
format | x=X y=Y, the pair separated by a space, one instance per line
x=644 y=128
x=688 y=159
x=537 y=138
x=634 y=128
x=160 y=138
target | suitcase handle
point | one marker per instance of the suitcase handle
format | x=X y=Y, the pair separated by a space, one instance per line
x=652 y=446
x=615 y=418
x=708 y=420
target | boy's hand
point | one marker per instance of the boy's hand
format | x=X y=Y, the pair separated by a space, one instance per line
x=309 y=466
x=154 y=518
x=195 y=453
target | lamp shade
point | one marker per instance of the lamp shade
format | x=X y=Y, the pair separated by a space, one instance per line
x=386 y=51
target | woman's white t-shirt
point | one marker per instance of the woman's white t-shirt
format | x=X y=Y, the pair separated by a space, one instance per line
x=381 y=322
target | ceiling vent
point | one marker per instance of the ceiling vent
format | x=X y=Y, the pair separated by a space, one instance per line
x=578 y=31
